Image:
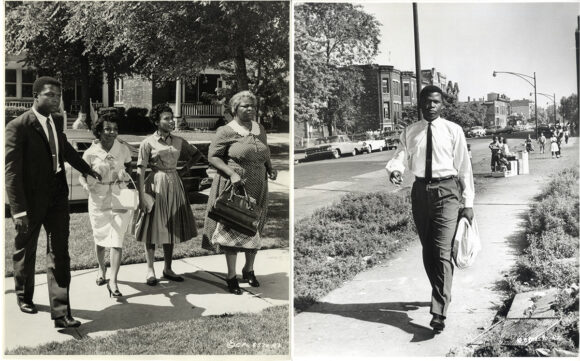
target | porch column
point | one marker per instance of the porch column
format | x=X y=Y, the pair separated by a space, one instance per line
x=177 y=114
x=105 y=91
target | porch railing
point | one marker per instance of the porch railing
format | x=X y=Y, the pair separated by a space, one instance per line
x=194 y=123
x=201 y=110
x=18 y=103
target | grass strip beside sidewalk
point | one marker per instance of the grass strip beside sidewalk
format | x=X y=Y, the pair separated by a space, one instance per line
x=550 y=259
x=264 y=333
x=339 y=241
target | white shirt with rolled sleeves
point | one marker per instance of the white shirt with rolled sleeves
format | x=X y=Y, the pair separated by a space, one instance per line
x=450 y=154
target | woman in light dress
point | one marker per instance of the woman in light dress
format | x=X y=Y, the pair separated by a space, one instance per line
x=112 y=160
x=169 y=219
x=241 y=155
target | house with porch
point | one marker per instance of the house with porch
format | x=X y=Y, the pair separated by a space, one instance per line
x=195 y=104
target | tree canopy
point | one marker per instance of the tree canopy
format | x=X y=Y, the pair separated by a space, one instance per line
x=569 y=109
x=329 y=39
x=159 y=40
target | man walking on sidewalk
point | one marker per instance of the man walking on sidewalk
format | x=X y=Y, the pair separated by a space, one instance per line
x=435 y=151
x=37 y=190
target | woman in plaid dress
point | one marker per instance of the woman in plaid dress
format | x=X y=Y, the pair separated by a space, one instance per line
x=241 y=155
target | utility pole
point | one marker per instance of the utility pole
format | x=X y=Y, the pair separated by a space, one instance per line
x=417 y=59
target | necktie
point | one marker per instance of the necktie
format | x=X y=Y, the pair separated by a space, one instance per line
x=429 y=153
x=52 y=144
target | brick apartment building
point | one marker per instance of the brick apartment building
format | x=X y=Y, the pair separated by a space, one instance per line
x=498 y=109
x=524 y=107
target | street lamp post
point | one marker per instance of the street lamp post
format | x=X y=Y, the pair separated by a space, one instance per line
x=526 y=77
x=553 y=99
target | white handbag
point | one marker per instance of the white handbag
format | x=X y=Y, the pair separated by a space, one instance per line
x=466 y=244
x=125 y=198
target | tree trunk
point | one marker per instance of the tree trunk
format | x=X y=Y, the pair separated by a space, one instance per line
x=85 y=89
x=240 y=69
x=111 y=86
x=258 y=91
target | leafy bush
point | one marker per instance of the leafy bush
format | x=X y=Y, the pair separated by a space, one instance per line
x=12 y=112
x=340 y=241
x=138 y=122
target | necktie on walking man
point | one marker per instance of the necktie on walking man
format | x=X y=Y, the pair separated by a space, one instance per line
x=52 y=145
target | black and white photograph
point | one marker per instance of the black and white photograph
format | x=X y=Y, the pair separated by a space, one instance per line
x=435 y=191
x=147 y=179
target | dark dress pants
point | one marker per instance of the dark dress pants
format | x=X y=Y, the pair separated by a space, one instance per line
x=55 y=219
x=435 y=212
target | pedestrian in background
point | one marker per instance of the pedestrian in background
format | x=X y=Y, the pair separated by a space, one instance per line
x=529 y=144
x=542 y=142
x=554 y=148
x=495 y=147
x=112 y=160
x=435 y=152
x=241 y=155
x=170 y=220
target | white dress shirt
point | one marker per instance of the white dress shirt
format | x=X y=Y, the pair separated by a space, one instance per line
x=42 y=119
x=449 y=158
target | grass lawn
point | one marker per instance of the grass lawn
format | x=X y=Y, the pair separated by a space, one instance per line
x=81 y=246
x=264 y=333
x=339 y=241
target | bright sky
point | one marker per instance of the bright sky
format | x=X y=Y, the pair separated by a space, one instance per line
x=468 y=41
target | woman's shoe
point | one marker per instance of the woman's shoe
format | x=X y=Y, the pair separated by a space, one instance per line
x=151 y=281
x=251 y=278
x=112 y=293
x=175 y=278
x=100 y=281
x=234 y=286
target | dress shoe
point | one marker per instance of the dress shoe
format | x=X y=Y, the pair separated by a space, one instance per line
x=27 y=307
x=66 y=322
x=234 y=286
x=251 y=278
x=100 y=281
x=151 y=281
x=115 y=293
x=438 y=322
x=175 y=278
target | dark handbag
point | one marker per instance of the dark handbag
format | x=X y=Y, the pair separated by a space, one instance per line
x=237 y=211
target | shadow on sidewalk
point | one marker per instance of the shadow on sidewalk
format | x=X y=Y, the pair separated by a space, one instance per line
x=388 y=313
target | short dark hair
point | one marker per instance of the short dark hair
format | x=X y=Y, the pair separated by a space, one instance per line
x=155 y=114
x=42 y=81
x=97 y=127
x=429 y=89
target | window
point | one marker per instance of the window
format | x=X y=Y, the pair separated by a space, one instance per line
x=386 y=114
x=119 y=90
x=385 y=86
x=28 y=78
x=10 y=83
x=406 y=89
x=396 y=88
x=496 y=110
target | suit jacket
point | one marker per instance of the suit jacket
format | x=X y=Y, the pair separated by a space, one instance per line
x=28 y=168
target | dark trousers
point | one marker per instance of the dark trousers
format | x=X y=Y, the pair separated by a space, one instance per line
x=435 y=212
x=55 y=219
x=494 y=161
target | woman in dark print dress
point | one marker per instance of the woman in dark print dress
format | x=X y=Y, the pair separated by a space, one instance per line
x=240 y=154
x=170 y=219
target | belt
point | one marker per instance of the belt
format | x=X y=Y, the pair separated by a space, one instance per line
x=433 y=180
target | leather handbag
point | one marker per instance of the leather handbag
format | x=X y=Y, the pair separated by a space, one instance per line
x=124 y=198
x=236 y=210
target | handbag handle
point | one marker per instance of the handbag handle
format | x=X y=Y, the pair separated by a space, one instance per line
x=131 y=179
x=230 y=188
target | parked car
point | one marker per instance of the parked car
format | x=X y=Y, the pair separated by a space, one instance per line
x=498 y=129
x=196 y=180
x=543 y=128
x=335 y=146
x=369 y=143
x=392 y=139
x=476 y=131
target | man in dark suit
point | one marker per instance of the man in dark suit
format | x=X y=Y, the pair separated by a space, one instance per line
x=37 y=190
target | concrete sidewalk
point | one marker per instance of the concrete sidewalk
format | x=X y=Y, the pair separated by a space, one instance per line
x=203 y=293
x=385 y=310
